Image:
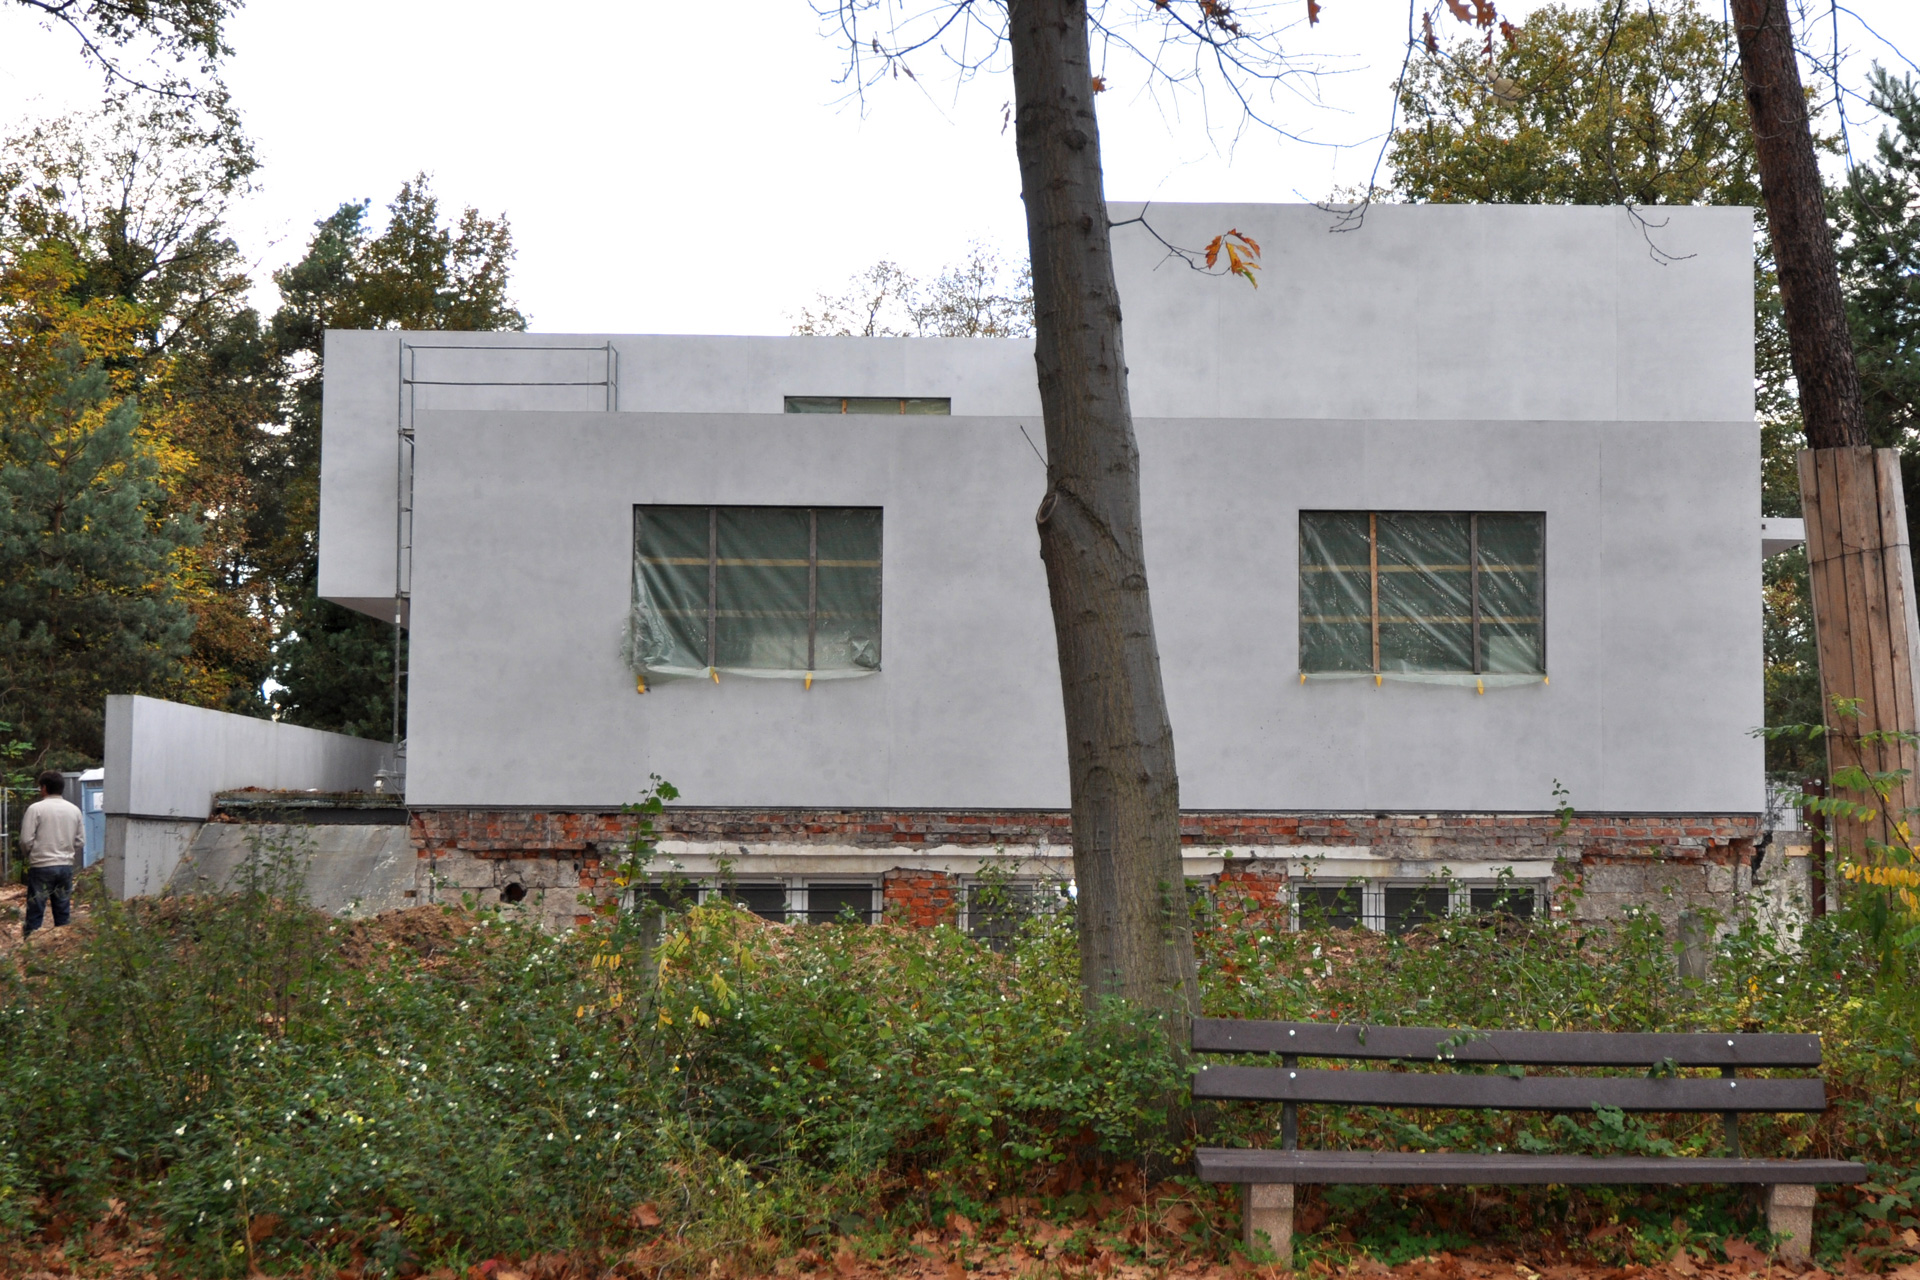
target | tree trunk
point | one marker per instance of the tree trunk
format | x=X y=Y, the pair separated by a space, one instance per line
x=1817 y=336
x=1858 y=562
x=1135 y=940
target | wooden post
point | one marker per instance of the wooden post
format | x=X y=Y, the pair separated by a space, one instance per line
x=1860 y=567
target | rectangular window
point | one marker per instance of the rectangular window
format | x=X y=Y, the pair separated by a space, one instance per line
x=1329 y=906
x=758 y=590
x=997 y=908
x=827 y=903
x=768 y=900
x=1422 y=592
x=907 y=405
x=1511 y=899
x=1409 y=906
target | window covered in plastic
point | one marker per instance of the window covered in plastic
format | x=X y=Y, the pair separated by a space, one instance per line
x=1422 y=593
x=898 y=405
x=767 y=591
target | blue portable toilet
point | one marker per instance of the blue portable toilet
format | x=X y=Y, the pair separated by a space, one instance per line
x=93 y=814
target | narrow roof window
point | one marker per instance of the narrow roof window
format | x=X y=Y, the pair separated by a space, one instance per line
x=870 y=404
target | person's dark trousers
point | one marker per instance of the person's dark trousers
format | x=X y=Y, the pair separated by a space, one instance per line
x=44 y=883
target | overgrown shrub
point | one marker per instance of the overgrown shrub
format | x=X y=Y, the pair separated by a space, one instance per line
x=441 y=1086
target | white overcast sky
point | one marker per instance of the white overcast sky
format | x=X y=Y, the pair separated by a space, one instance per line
x=681 y=168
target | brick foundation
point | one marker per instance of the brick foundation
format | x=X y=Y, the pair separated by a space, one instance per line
x=1667 y=863
x=924 y=898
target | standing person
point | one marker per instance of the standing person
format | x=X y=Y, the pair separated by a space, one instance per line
x=50 y=837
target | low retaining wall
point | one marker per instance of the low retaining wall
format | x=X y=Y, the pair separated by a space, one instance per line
x=165 y=761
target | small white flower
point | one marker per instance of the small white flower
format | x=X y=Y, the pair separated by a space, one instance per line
x=177 y=1132
x=227 y=1185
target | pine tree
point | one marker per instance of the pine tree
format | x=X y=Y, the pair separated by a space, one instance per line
x=89 y=603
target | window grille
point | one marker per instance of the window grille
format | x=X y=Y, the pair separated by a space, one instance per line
x=997 y=908
x=1516 y=900
x=827 y=903
x=904 y=405
x=1422 y=593
x=780 y=900
x=791 y=591
x=1329 y=906
x=766 y=899
x=1409 y=906
x=1384 y=905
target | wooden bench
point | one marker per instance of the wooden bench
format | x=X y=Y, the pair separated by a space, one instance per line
x=1267 y=1177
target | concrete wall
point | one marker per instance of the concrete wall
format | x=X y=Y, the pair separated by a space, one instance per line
x=1439 y=358
x=1424 y=313
x=518 y=695
x=165 y=761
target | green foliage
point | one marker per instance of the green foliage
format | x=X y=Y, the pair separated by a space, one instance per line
x=283 y=1091
x=1877 y=215
x=1612 y=104
x=88 y=604
x=334 y=666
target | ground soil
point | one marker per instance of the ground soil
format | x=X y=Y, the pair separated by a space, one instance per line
x=49 y=941
x=118 y=1248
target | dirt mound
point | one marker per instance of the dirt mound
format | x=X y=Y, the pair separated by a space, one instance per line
x=49 y=943
x=431 y=934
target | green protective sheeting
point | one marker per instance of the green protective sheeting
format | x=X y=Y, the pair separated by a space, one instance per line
x=1433 y=575
x=1336 y=592
x=894 y=405
x=1426 y=592
x=669 y=628
x=1511 y=594
x=756 y=591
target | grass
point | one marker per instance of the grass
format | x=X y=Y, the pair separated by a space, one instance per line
x=268 y=1089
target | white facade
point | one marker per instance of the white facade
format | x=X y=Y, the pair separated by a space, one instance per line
x=1438 y=358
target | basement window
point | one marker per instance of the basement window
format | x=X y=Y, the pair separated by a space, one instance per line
x=756 y=591
x=896 y=405
x=1447 y=597
x=780 y=900
x=1393 y=907
x=997 y=908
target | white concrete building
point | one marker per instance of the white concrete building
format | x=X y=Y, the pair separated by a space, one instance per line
x=1458 y=506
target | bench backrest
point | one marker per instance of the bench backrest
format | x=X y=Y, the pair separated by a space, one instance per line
x=1655 y=1053
x=1522 y=1048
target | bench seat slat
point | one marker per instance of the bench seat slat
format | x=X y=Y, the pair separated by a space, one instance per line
x=1526 y=1048
x=1382 y=1168
x=1504 y=1093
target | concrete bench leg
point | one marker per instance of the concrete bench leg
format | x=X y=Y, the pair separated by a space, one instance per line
x=1266 y=1210
x=1790 y=1214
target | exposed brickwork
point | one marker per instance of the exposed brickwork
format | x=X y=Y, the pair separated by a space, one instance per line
x=924 y=898
x=1722 y=838
x=1669 y=863
x=1261 y=889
